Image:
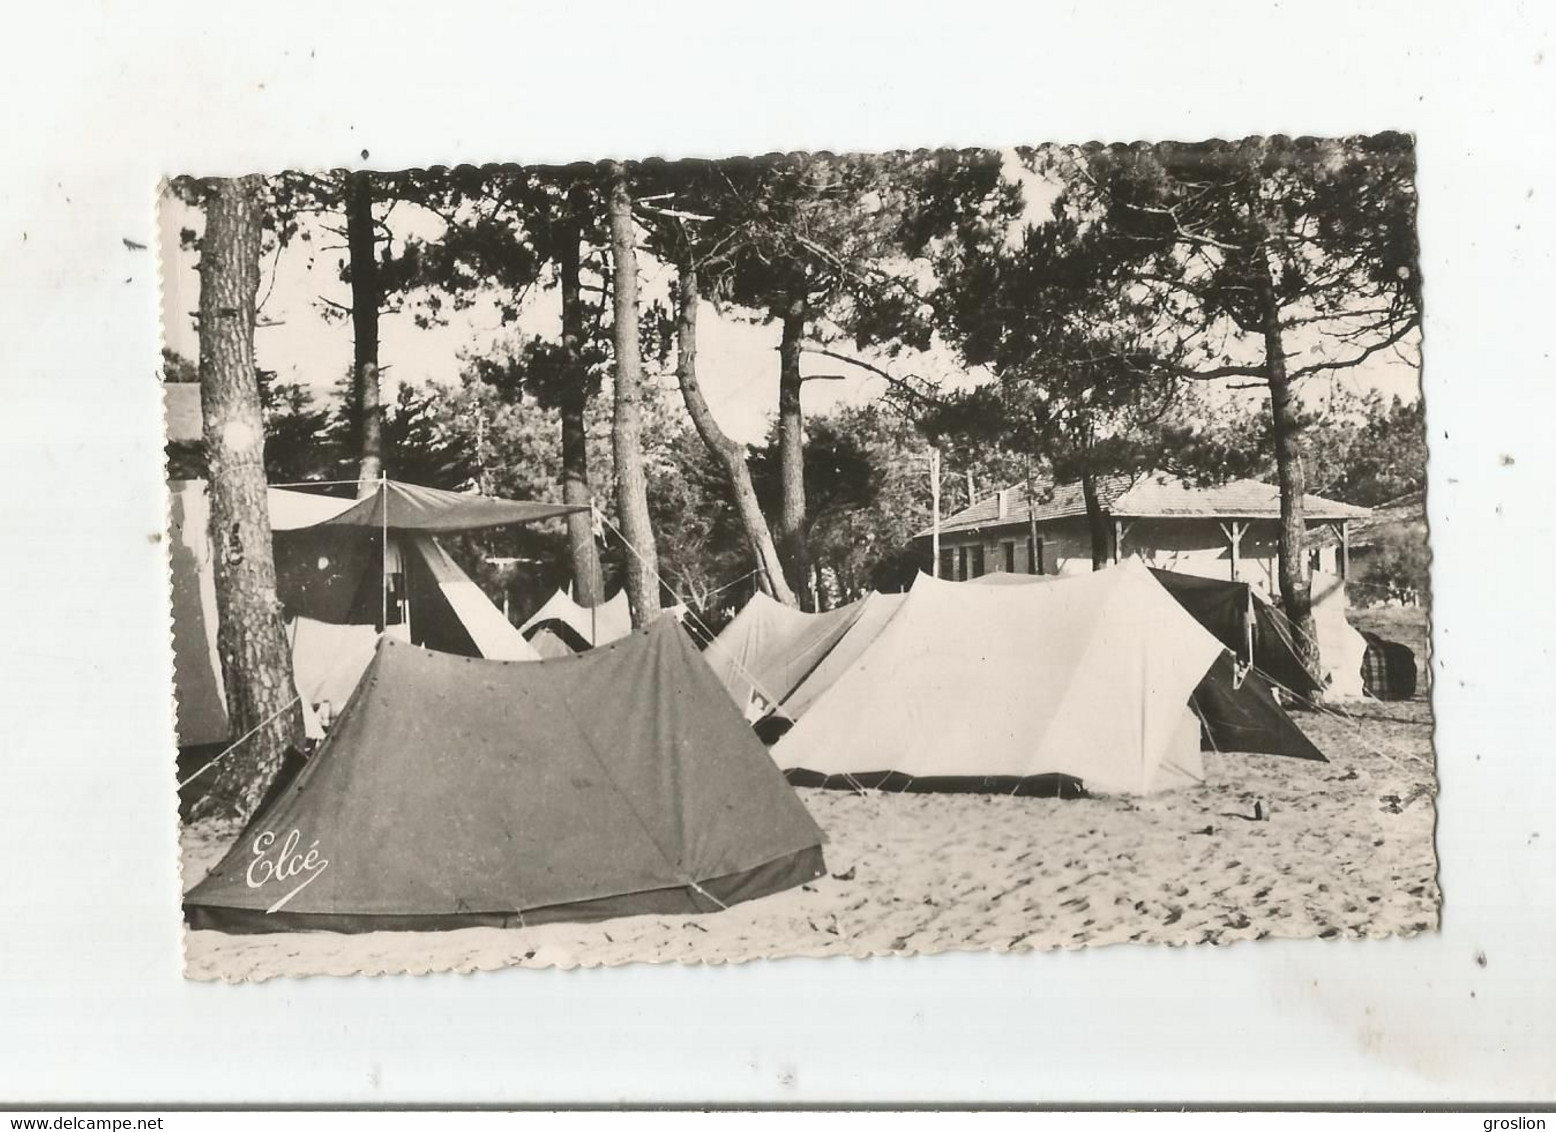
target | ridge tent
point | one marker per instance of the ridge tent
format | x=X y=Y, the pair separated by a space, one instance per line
x=562 y=627
x=1087 y=677
x=598 y=625
x=343 y=568
x=768 y=648
x=456 y=792
x=875 y=613
x=1238 y=714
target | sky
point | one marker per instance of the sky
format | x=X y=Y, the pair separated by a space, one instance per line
x=737 y=357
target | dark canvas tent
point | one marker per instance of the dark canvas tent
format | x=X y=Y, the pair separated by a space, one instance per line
x=1235 y=702
x=1255 y=631
x=457 y=792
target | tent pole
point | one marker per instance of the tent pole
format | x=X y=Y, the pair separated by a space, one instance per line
x=383 y=553
x=934 y=494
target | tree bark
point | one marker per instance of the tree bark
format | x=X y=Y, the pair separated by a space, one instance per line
x=1095 y=520
x=627 y=433
x=791 y=456
x=730 y=455
x=589 y=586
x=362 y=247
x=251 y=641
x=1296 y=577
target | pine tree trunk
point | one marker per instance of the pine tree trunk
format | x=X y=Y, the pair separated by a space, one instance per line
x=588 y=585
x=251 y=641
x=731 y=456
x=791 y=457
x=1095 y=520
x=1296 y=578
x=627 y=434
x=362 y=247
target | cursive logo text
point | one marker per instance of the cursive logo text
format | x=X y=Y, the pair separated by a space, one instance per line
x=285 y=864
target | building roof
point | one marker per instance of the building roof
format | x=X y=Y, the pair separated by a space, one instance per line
x=1139 y=497
x=1406 y=510
x=181 y=401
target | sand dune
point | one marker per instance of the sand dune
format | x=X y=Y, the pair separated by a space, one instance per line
x=1347 y=852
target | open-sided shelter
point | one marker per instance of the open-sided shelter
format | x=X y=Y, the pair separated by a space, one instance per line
x=1087 y=677
x=346 y=571
x=457 y=792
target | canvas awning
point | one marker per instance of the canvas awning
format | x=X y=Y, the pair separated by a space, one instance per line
x=407 y=507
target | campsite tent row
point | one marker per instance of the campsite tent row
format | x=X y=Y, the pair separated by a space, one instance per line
x=456 y=791
x=1029 y=688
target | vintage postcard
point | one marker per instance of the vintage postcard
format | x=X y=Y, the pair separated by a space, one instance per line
x=812 y=554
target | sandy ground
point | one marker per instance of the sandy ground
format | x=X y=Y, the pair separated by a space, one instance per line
x=1347 y=852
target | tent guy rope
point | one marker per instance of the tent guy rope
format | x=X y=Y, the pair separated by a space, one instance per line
x=246 y=737
x=692 y=613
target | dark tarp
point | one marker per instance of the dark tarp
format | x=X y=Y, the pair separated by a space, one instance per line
x=1388 y=669
x=332 y=571
x=430 y=509
x=330 y=574
x=1247 y=718
x=455 y=792
x=1222 y=608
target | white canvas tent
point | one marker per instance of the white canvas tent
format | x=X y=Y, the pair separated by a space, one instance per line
x=769 y=648
x=347 y=569
x=597 y=626
x=876 y=611
x=1341 y=649
x=1088 y=677
x=590 y=626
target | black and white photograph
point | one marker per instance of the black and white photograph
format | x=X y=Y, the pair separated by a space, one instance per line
x=808 y=554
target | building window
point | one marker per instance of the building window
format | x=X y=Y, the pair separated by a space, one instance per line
x=948 y=563
x=1010 y=558
x=977 y=562
x=961 y=563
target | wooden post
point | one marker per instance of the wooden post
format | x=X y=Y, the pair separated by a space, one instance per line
x=1345 y=548
x=1234 y=537
x=934 y=494
x=1119 y=530
x=1032 y=564
x=383 y=556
